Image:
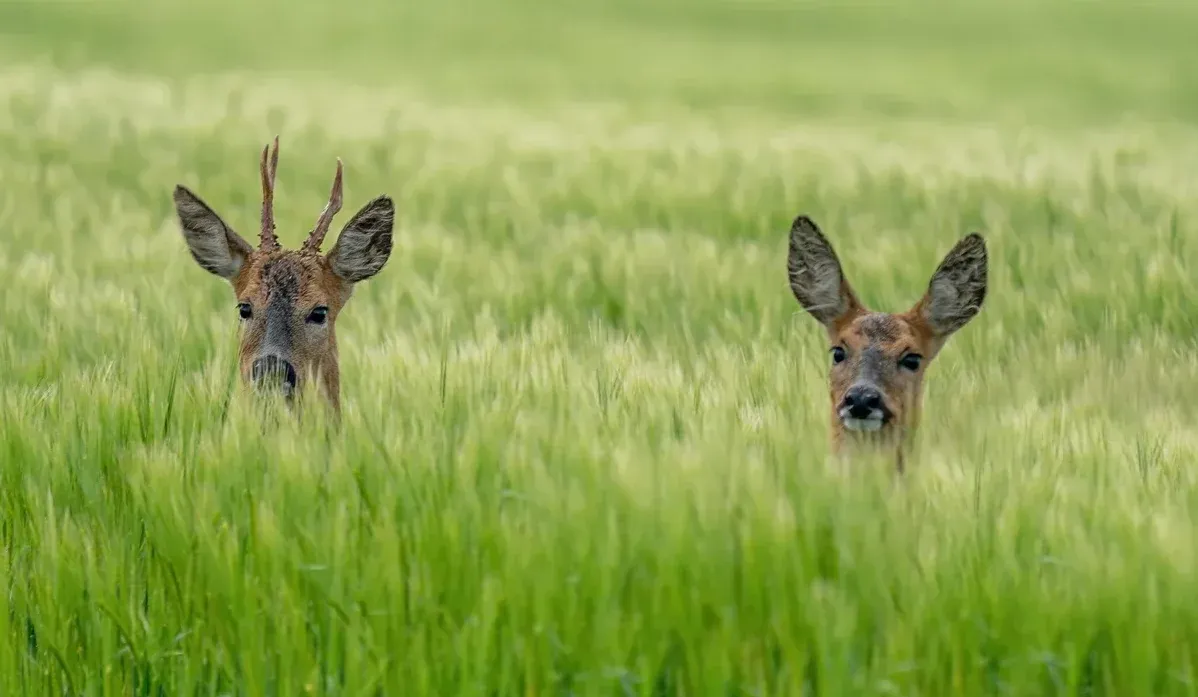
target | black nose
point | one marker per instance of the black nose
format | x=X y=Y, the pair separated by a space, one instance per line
x=272 y=369
x=861 y=401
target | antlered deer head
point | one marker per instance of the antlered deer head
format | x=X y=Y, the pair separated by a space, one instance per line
x=879 y=359
x=288 y=301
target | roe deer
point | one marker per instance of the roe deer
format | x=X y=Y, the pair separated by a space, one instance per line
x=879 y=359
x=289 y=300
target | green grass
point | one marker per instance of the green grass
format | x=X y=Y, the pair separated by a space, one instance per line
x=584 y=440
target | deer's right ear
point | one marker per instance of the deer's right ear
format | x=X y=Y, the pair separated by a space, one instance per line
x=958 y=287
x=212 y=243
x=816 y=279
x=364 y=244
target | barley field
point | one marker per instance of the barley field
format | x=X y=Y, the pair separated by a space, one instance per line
x=584 y=440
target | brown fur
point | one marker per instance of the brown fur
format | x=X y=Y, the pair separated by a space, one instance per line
x=283 y=288
x=875 y=343
x=305 y=281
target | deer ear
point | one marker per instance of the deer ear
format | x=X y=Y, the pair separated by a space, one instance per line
x=213 y=244
x=816 y=279
x=364 y=244
x=957 y=288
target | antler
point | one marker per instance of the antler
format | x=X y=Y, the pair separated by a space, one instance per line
x=269 y=241
x=316 y=237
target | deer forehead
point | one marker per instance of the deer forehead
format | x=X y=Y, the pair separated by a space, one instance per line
x=883 y=332
x=289 y=276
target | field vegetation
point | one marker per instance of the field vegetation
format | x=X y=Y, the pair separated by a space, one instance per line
x=584 y=441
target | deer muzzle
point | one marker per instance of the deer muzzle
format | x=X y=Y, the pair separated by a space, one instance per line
x=863 y=408
x=272 y=372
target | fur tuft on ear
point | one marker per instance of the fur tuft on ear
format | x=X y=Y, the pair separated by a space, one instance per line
x=364 y=244
x=816 y=278
x=213 y=244
x=958 y=287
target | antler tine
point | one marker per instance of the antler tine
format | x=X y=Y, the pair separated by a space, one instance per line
x=316 y=237
x=268 y=240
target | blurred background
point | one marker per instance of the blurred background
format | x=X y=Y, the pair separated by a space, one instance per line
x=1035 y=61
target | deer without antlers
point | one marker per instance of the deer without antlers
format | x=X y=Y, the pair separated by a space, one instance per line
x=289 y=300
x=879 y=359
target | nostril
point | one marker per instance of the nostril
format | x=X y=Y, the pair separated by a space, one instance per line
x=863 y=402
x=273 y=368
x=264 y=367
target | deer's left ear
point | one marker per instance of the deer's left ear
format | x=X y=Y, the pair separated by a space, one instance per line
x=957 y=288
x=364 y=244
x=816 y=278
x=213 y=244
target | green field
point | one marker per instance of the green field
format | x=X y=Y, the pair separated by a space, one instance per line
x=584 y=437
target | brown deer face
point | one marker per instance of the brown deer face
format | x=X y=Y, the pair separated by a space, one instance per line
x=288 y=300
x=878 y=359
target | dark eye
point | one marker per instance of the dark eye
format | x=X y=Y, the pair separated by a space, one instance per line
x=838 y=354
x=244 y=310
x=911 y=361
x=318 y=315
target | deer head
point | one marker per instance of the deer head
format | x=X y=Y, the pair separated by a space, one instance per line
x=879 y=359
x=288 y=301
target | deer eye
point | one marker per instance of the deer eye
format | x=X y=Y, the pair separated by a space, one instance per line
x=318 y=315
x=911 y=361
x=245 y=310
x=838 y=354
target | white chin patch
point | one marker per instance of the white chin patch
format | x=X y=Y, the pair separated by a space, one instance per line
x=861 y=424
